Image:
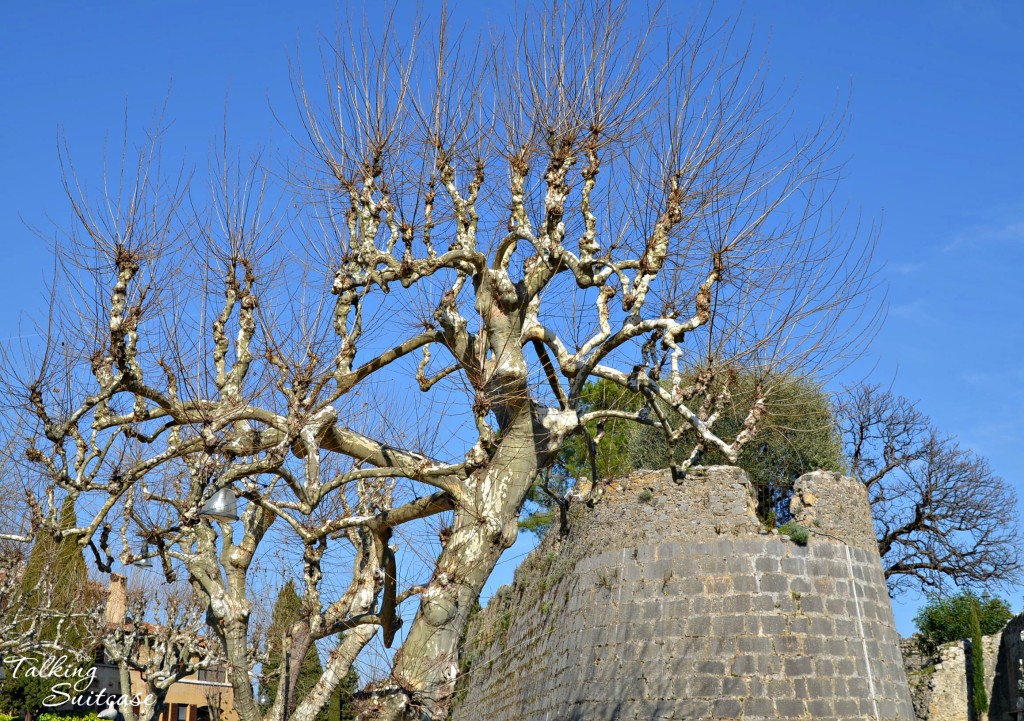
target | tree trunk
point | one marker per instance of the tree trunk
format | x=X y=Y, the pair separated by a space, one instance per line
x=125 y=678
x=147 y=712
x=427 y=664
x=234 y=636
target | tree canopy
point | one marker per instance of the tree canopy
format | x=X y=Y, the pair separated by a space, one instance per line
x=943 y=619
x=382 y=342
x=943 y=517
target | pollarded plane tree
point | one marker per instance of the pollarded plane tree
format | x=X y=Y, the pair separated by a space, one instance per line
x=486 y=226
x=140 y=461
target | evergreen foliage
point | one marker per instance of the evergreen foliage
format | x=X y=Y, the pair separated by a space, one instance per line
x=288 y=610
x=949 y=618
x=55 y=579
x=797 y=435
x=341 y=707
x=613 y=457
x=979 y=698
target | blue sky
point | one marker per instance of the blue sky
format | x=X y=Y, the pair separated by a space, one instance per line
x=934 y=152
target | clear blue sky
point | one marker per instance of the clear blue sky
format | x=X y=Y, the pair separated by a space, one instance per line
x=935 y=151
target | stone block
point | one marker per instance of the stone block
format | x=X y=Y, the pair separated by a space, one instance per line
x=820 y=687
x=754 y=644
x=767 y=564
x=812 y=604
x=857 y=686
x=745 y=665
x=688 y=709
x=780 y=688
x=823 y=550
x=813 y=645
x=798 y=624
x=742 y=604
x=790 y=708
x=728 y=626
x=706 y=686
x=769 y=665
x=646 y=553
x=800 y=585
x=727 y=708
x=716 y=668
x=799 y=666
x=788 y=645
x=846 y=708
x=758 y=708
x=823 y=627
x=734 y=687
x=773 y=583
x=819 y=708
x=670 y=551
x=794 y=566
x=690 y=586
x=744 y=584
x=773 y=625
x=740 y=564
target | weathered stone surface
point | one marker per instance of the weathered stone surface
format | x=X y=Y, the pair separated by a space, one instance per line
x=940 y=687
x=675 y=604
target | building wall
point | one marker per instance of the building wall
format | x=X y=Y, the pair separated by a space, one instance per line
x=669 y=601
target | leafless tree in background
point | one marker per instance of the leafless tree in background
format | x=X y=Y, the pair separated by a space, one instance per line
x=473 y=232
x=157 y=631
x=941 y=515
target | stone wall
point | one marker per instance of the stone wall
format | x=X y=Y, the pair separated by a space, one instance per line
x=940 y=687
x=670 y=601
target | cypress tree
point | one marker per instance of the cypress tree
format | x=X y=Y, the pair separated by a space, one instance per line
x=979 y=698
x=341 y=708
x=56 y=581
x=288 y=610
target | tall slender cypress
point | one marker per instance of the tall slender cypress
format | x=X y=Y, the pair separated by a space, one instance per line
x=979 y=698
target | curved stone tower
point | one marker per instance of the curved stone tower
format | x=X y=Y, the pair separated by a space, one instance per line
x=670 y=601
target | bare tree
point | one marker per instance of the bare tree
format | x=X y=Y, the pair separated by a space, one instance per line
x=472 y=232
x=157 y=632
x=942 y=516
